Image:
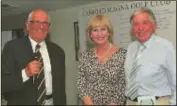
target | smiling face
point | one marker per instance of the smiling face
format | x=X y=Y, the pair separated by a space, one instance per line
x=99 y=30
x=99 y=34
x=38 y=25
x=143 y=26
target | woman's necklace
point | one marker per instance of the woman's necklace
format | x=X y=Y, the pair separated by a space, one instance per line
x=102 y=56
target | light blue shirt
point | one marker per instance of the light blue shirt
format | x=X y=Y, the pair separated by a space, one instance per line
x=156 y=74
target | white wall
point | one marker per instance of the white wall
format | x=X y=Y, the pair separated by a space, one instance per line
x=62 y=33
x=14 y=21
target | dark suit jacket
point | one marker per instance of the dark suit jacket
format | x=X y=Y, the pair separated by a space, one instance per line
x=15 y=56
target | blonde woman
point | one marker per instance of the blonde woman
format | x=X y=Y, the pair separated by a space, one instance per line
x=101 y=77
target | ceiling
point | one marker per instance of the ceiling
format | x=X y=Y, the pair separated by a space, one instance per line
x=13 y=7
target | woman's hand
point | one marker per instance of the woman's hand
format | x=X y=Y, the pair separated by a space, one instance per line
x=87 y=100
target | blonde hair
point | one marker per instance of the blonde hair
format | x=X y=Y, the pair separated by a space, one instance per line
x=99 y=20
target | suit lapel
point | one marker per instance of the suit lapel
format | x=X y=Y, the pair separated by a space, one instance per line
x=28 y=47
x=51 y=55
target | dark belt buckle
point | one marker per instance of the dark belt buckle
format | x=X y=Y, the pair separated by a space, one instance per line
x=48 y=96
x=135 y=100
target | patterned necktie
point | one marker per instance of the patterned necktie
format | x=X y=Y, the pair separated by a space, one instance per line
x=39 y=79
x=132 y=92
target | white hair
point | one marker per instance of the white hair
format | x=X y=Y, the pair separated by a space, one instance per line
x=31 y=13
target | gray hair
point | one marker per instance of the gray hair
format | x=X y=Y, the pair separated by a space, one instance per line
x=31 y=13
x=144 y=10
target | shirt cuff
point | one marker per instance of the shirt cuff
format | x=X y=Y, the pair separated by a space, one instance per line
x=24 y=76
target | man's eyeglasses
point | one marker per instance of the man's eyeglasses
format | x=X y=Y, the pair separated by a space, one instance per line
x=37 y=25
x=40 y=23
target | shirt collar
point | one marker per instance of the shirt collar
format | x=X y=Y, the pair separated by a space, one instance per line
x=34 y=43
x=148 y=42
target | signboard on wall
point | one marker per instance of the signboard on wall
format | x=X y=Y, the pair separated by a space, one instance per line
x=165 y=12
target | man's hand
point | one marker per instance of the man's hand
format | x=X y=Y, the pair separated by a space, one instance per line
x=32 y=68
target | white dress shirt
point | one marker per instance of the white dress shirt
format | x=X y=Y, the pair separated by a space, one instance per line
x=157 y=72
x=47 y=66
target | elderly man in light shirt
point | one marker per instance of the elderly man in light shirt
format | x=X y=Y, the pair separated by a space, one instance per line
x=150 y=64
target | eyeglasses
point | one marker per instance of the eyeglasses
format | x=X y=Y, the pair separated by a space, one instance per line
x=39 y=23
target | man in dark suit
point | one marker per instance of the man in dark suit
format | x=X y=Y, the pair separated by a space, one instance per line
x=19 y=67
